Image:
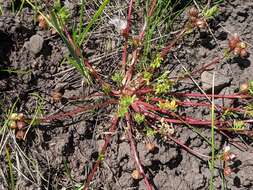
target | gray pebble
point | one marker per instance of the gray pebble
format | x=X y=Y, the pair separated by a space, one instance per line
x=35 y=44
x=207 y=80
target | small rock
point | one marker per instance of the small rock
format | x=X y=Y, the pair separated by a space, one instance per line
x=220 y=81
x=35 y=44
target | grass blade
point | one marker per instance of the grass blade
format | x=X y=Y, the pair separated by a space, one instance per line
x=93 y=21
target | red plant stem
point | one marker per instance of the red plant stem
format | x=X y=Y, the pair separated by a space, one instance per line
x=228 y=96
x=130 y=71
x=215 y=61
x=71 y=41
x=126 y=34
x=152 y=8
x=196 y=104
x=64 y=115
x=145 y=108
x=130 y=8
x=93 y=72
x=144 y=91
x=124 y=56
x=102 y=152
x=187 y=120
x=135 y=153
x=78 y=54
x=150 y=13
x=195 y=153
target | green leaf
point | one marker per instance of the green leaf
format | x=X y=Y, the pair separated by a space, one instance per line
x=157 y=62
x=238 y=125
x=163 y=84
x=117 y=77
x=124 y=103
x=211 y=12
x=93 y=21
x=139 y=118
x=149 y=131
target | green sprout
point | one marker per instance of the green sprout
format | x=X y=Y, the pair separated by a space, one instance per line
x=238 y=125
x=106 y=89
x=168 y=105
x=157 y=62
x=117 y=77
x=229 y=114
x=163 y=84
x=250 y=83
x=150 y=132
x=62 y=12
x=211 y=12
x=139 y=118
x=249 y=110
x=124 y=103
x=147 y=77
x=101 y=157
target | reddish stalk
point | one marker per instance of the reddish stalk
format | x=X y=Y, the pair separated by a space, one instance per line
x=146 y=109
x=102 y=152
x=152 y=115
x=198 y=95
x=152 y=8
x=71 y=41
x=126 y=34
x=144 y=91
x=64 y=115
x=150 y=13
x=94 y=72
x=85 y=62
x=130 y=71
x=135 y=153
x=196 y=104
x=195 y=153
x=215 y=61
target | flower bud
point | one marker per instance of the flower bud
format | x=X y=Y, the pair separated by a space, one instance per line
x=56 y=96
x=243 y=53
x=150 y=147
x=193 y=12
x=21 y=117
x=237 y=51
x=244 y=87
x=42 y=22
x=200 y=23
x=20 y=134
x=21 y=124
x=12 y=124
x=227 y=171
x=226 y=149
x=136 y=175
x=233 y=41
